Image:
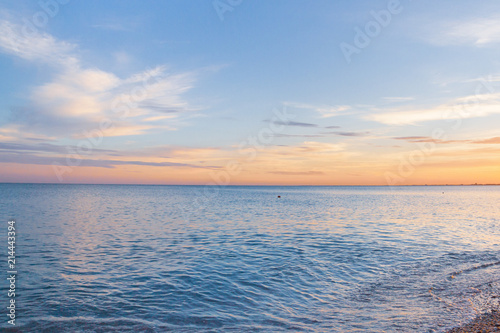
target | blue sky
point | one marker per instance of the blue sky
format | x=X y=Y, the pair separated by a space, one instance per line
x=206 y=75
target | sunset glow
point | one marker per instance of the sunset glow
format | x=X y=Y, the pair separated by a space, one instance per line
x=136 y=94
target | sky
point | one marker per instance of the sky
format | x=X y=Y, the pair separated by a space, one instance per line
x=234 y=92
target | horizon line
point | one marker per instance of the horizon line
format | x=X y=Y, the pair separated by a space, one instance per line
x=262 y=185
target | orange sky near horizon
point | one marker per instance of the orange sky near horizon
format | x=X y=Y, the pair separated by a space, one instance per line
x=321 y=167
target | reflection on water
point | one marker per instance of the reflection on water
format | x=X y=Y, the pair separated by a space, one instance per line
x=319 y=259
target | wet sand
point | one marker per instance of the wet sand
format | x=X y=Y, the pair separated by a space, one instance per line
x=489 y=322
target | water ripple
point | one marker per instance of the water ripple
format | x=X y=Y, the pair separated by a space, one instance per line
x=124 y=259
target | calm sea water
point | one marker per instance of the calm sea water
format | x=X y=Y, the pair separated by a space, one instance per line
x=117 y=258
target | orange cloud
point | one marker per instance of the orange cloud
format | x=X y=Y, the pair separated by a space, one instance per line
x=495 y=140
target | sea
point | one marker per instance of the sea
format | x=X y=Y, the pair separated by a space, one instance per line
x=137 y=258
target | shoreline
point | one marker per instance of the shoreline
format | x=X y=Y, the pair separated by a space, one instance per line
x=484 y=323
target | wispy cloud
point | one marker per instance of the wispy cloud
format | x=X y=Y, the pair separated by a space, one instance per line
x=473 y=106
x=422 y=139
x=36 y=46
x=9 y=157
x=281 y=135
x=485 y=79
x=413 y=138
x=480 y=31
x=398 y=99
x=495 y=140
x=46 y=148
x=14 y=133
x=325 y=111
x=292 y=123
x=349 y=133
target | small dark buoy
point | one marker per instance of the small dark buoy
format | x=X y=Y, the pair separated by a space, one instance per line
x=279 y=196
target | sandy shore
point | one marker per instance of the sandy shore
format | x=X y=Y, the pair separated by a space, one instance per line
x=485 y=323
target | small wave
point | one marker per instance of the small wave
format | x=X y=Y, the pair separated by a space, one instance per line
x=88 y=325
x=472 y=269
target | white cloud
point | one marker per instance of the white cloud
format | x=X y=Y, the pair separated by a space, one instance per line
x=85 y=96
x=465 y=107
x=92 y=95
